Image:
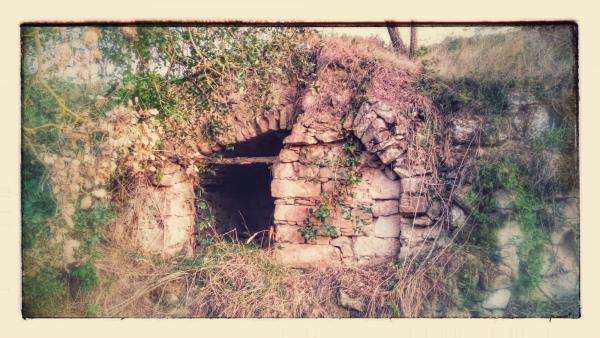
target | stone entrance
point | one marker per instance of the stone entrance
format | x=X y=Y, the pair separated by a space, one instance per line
x=238 y=190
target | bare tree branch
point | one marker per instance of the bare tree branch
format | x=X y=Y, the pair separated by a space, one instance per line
x=396 y=39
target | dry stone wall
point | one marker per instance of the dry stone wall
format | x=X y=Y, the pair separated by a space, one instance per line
x=387 y=214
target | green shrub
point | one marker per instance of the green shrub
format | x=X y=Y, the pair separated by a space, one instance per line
x=85 y=276
x=37 y=202
x=43 y=293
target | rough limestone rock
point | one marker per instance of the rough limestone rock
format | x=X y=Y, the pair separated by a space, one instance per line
x=509 y=236
x=288 y=234
x=463 y=130
x=388 y=226
x=290 y=213
x=385 y=207
x=381 y=186
x=287 y=188
x=308 y=256
x=415 y=185
x=497 y=300
x=373 y=246
x=413 y=205
x=288 y=155
x=459 y=219
x=345 y=245
x=350 y=303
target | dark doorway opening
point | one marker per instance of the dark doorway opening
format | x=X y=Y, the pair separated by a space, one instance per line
x=239 y=195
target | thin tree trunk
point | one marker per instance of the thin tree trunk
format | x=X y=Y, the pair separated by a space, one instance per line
x=396 y=40
x=413 y=41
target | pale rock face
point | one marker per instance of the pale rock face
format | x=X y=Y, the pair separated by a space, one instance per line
x=508 y=238
x=416 y=185
x=385 y=207
x=167 y=226
x=345 y=245
x=435 y=209
x=286 y=188
x=387 y=226
x=290 y=213
x=288 y=155
x=463 y=130
x=380 y=185
x=539 y=121
x=283 y=170
x=412 y=235
x=288 y=234
x=69 y=250
x=459 y=219
x=497 y=300
x=350 y=303
x=373 y=246
x=503 y=199
x=561 y=284
x=86 y=202
x=308 y=256
x=411 y=205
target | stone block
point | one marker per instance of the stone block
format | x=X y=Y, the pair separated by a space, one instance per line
x=288 y=234
x=283 y=170
x=415 y=185
x=385 y=207
x=308 y=256
x=288 y=155
x=373 y=246
x=290 y=213
x=497 y=300
x=306 y=171
x=380 y=186
x=411 y=204
x=387 y=226
x=286 y=188
x=345 y=245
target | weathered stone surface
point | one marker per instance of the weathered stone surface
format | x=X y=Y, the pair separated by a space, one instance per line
x=387 y=226
x=509 y=237
x=287 y=188
x=463 y=130
x=329 y=136
x=373 y=246
x=459 y=218
x=390 y=154
x=411 y=205
x=345 y=245
x=539 y=121
x=381 y=186
x=290 y=213
x=307 y=256
x=497 y=300
x=326 y=172
x=385 y=207
x=70 y=248
x=419 y=221
x=362 y=122
x=501 y=281
x=306 y=171
x=385 y=112
x=412 y=235
x=435 y=209
x=86 y=202
x=350 y=303
x=375 y=134
x=171 y=174
x=503 y=199
x=288 y=155
x=283 y=170
x=390 y=173
x=417 y=185
x=561 y=284
x=288 y=234
x=403 y=169
x=300 y=136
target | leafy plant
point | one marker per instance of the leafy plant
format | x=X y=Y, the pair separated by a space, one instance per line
x=43 y=293
x=85 y=276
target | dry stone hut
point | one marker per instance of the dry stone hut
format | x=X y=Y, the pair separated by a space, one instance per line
x=343 y=173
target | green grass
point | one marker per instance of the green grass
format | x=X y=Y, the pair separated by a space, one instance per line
x=43 y=293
